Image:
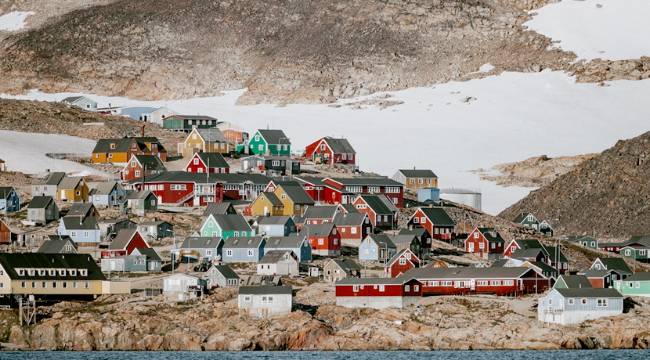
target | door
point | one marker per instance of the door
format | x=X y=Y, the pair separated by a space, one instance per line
x=470 y=247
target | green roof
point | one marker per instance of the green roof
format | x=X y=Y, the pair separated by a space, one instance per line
x=438 y=216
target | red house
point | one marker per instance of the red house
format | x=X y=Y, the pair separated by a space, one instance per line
x=402 y=262
x=353 y=227
x=331 y=151
x=213 y=163
x=379 y=209
x=435 y=221
x=483 y=242
x=346 y=190
x=377 y=293
x=325 y=239
x=511 y=281
x=124 y=243
x=142 y=165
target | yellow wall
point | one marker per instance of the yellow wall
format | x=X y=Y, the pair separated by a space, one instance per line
x=194 y=142
x=257 y=207
x=71 y=194
x=117 y=157
x=414 y=183
x=94 y=287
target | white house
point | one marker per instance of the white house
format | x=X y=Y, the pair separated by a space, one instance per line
x=182 y=287
x=278 y=262
x=573 y=306
x=81 y=102
x=263 y=301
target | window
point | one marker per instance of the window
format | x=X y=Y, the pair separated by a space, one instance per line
x=353 y=230
x=602 y=302
x=195 y=161
x=407 y=288
x=137 y=173
x=43 y=284
x=416 y=220
x=321 y=241
x=53 y=284
x=423 y=220
x=637 y=284
x=373 y=189
x=416 y=288
x=382 y=288
x=550 y=301
x=250 y=252
x=86 y=285
x=583 y=301
x=229 y=252
x=476 y=235
x=83 y=272
x=402 y=261
x=572 y=301
x=22 y=284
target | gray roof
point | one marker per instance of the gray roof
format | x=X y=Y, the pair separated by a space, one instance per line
x=105 y=188
x=122 y=239
x=75 y=223
x=214 y=160
x=418 y=173
x=136 y=111
x=350 y=219
x=201 y=242
x=243 y=242
x=150 y=253
x=273 y=256
x=265 y=290
x=212 y=135
x=595 y=273
x=576 y=281
x=590 y=293
x=379 y=204
x=70 y=182
x=467 y=273
x=273 y=199
x=383 y=240
x=317 y=229
x=226 y=271
x=321 y=212
x=403 y=239
x=139 y=195
x=274 y=136
x=151 y=162
x=232 y=222
x=339 y=145
x=375 y=180
x=347 y=265
x=273 y=220
x=297 y=194
x=284 y=242
x=40 y=202
x=221 y=208
x=5 y=191
x=54 y=178
x=616 y=264
x=54 y=244
x=80 y=209
x=415 y=231
x=640 y=276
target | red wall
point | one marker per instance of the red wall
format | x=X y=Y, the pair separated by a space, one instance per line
x=389 y=290
x=328 y=243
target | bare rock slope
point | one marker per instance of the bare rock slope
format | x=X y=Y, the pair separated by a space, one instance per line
x=607 y=195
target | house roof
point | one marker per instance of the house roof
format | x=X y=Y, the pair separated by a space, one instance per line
x=438 y=216
x=226 y=271
x=183 y=176
x=418 y=173
x=191 y=117
x=402 y=240
x=339 y=145
x=590 y=293
x=274 y=136
x=150 y=162
x=40 y=202
x=349 y=219
x=368 y=181
x=383 y=240
x=54 y=178
x=575 y=281
x=311 y=230
x=379 y=204
x=527 y=253
x=265 y=290
x=54 y=244
x=274 y=256
x=273 y=220
x=415 y=231
x=122 y=239
x=243 y=242
x=217 y=208
x=491 y=235
x=124 y=144
x=135 y=112
x=105 y=188
x=612 y=263
x=139 y=195
x=321 y=212
x=530 y=244
x=75 y=223
x=70 y=182
x=371 y=281
x=284 y=242
x=346 y=265
x=467 y=273
x=5 y=191
x=297 y=194
x=11 y=261
x=595 y=273
x=639 y=276
x=231 y=222
x=643 y=240
x=150 y=253
x=215 y=160
x=80 y=209
x=212 y=135
x=399 y=254
x=551 y=253
x=201 y=242
x=521 y=217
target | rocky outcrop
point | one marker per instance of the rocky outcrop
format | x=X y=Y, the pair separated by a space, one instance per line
x=606 y=195
x=214 y=324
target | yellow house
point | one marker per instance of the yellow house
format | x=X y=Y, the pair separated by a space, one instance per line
x=415 y=179
x=72 y=189
x=119 y=151
x=210 y=140
x=294 y=198
x=52 y=275
x=267 y=204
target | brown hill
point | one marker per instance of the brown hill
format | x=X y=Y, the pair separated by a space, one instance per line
x=282 y=50
x=608 y=195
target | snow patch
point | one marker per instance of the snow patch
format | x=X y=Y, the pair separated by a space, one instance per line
x=486 y=68
x=14 y=20
x=606 y=29
x=514 y=116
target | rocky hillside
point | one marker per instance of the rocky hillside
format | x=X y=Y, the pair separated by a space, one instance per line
x=58 y=118
x=607 y=195
x=282 y=50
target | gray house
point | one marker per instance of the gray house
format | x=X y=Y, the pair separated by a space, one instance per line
x=110 y=227
x=80 y=230
x=107 y=194
x=154 y=262
x=377 y=247
x=42 y=209
x=156 y=229
x=573 y=306
x=275 y=225
x=298 y=244
x=199 y=247
x=49 y=186
x=335 y=270
x=56 y=244
x=125 y=263
x=243 y=249
x=142 y=202
x=81 y=102
x=9 y=200
x=222 y=276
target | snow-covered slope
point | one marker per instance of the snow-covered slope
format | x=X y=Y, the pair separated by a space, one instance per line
x=25 y=152
x=606 y=29
x=451 y=128
x=14 y=20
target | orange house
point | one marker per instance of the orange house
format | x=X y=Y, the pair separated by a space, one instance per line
x=119 y=151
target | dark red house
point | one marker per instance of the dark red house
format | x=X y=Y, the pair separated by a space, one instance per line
x=378 y=293
x=345 y=190
x=213 y=163
x=484 y=241
x=124 y=243
x=435 y=221
x=142 y=166
x=331 y=151
x=325 y=239
x=353 y=227
x=511 y=281
x=402 y=262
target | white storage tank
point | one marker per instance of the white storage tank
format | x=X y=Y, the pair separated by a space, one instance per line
x=468 y=197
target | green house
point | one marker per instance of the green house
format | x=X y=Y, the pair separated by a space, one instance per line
x=270 y=142
x=186 y=123
x=584 y=240
x=635 y=285
x=636 y=252
x=226 y=226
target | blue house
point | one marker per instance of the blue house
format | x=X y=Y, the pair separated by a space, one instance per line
x=299 y=244
x=275 y=225
x=107 y=194
x=243 y=249
x=9 y=200
x=377 y=247
x=82 y=230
